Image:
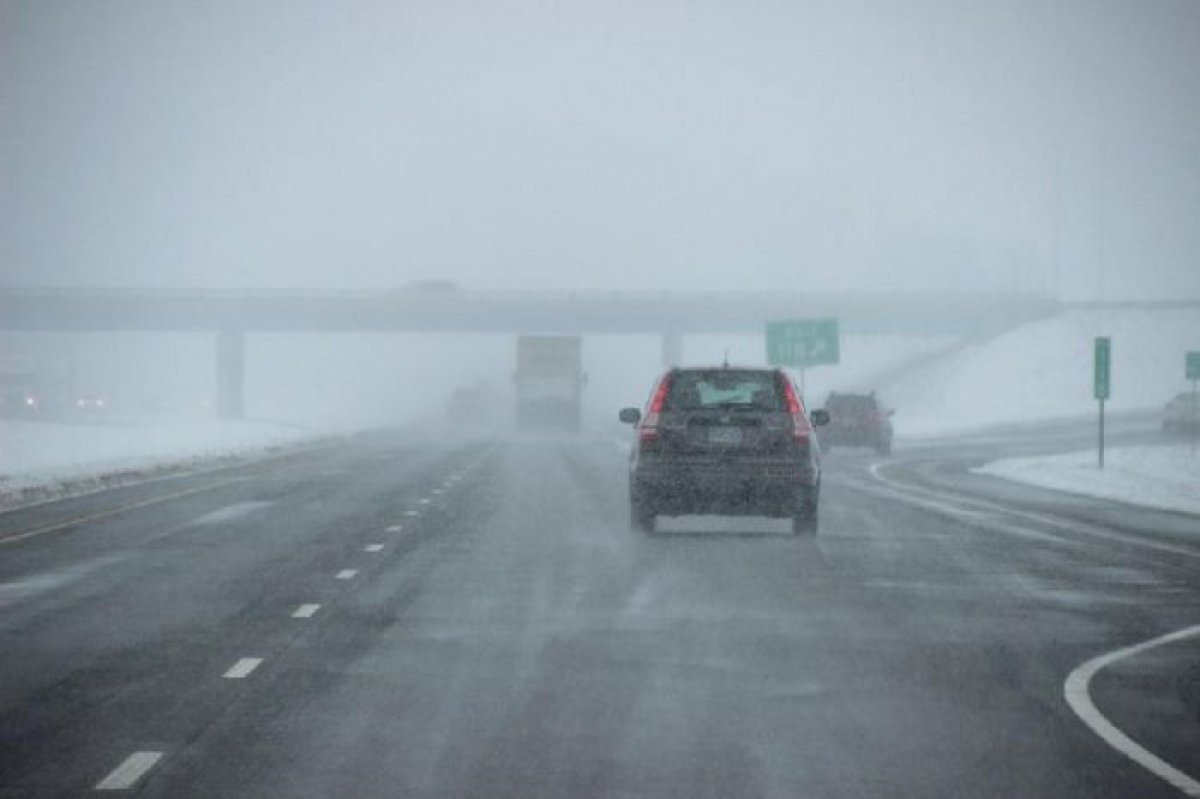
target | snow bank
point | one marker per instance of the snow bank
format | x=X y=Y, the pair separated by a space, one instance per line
x=1166 y=477
x=1043 y=370
x=60 y=458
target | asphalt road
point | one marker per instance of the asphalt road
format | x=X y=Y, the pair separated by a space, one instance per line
x=421 y=616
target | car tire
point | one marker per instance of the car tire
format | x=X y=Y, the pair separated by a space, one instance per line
x=641 y=517
x=804 y=515
x=805 y=522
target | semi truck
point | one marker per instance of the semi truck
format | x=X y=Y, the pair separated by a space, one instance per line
x=549 y=382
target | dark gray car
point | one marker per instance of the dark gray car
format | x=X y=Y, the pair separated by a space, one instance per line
x=725 y=440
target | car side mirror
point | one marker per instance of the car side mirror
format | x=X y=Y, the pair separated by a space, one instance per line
x=630 y=415
x=819 y=417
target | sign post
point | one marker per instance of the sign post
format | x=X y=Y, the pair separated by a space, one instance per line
x=1102 y=364
x=1192 y=370
x=802 y=343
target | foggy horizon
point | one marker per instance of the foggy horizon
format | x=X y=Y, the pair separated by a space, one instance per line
x=658 y=146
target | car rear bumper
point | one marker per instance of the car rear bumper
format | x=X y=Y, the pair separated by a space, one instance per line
x=687 y=489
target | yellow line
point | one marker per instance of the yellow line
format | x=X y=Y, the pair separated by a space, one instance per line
x=114 y=512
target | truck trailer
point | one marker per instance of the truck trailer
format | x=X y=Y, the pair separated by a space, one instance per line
x=549 y=382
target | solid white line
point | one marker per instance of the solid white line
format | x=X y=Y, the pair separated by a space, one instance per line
x=306 y=611
x=373 y=548
x=125 y=775
x=113 y=512
x=347 y=574
x=395 y=528
x=231 y=512
x=1076 y=692
x=242 y=669
x=1080 y=528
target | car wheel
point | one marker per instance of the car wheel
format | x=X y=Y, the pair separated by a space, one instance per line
x=805 y=522
x=804 y=517
x=641 y=517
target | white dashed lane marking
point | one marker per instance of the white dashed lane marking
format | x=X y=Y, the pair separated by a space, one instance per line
x=306 y=611
x=347 y=574
x=412 y=513
x=423 y=501
x=373 y=547
x=242 y=669
x=126 y=775
x=395 y=528
x=436 y=491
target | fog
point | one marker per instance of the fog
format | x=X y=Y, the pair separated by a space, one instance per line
x=1009 y=146
x=604 y=145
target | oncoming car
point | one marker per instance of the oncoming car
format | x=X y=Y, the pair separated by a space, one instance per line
x=725 y=440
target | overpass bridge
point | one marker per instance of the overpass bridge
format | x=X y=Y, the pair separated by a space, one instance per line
x=231 y=314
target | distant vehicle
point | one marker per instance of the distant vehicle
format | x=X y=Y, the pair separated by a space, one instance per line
x=20 y=394
x=468 y=404
x=1180 y=415
x=857 y=420
x=728 y=440
x=90 y=402
x=549 y=381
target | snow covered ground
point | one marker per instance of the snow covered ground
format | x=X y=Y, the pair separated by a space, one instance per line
x=1043 y=370
x=1165 y=477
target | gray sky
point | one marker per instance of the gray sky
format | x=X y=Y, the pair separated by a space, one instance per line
x=637 y=144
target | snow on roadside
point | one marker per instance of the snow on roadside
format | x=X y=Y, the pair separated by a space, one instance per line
x=53 y=456
x=1164 y=477
x=1043 y=370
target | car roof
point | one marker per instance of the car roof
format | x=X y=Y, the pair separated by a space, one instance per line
x=721 y=367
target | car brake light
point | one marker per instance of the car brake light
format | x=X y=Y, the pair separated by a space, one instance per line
x=801 y=429
x=648 y=429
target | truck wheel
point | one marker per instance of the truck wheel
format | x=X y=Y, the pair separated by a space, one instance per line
x=641 y=517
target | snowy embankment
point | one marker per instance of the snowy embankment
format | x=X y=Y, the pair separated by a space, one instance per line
x=1166 y=477
x=1043 y=371
x=43 y=459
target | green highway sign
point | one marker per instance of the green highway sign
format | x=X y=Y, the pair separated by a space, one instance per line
x=803 y=342
x=1103 y=362
x=1193 y=365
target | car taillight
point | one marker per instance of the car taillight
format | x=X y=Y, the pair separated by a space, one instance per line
x=801 y=429
x=648 y=429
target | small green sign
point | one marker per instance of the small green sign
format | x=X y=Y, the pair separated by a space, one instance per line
x=1103 y=361
x=1193 y=365
x=803 y=342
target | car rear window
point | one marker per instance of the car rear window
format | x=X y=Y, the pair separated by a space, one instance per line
x=725 y=389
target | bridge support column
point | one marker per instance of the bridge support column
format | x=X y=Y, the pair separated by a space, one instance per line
x=231 y=374
x=672 y=350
